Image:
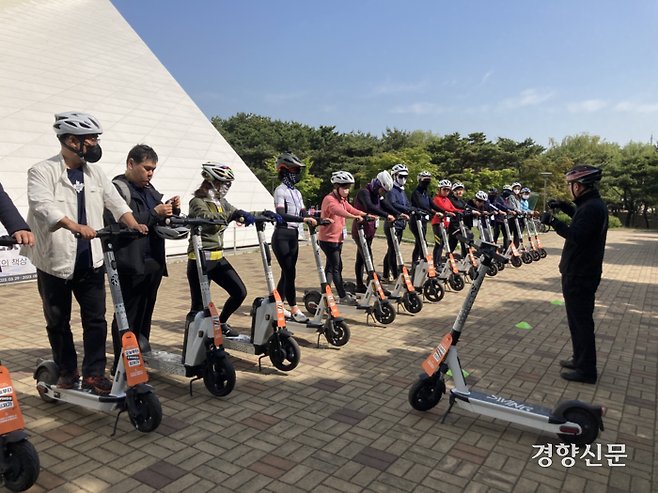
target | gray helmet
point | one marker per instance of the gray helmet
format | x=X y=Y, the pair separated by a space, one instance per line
x=507 y=187
x=76 y=123
x=424 y=175
x=584 y=174
x=481 y=196
x=457 y=185
x=171 y=233
x=216 y=171
x=288 y=161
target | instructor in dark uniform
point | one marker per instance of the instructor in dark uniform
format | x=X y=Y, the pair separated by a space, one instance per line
x=581 y=265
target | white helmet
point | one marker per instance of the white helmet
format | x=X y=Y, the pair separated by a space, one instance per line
x=215 y=171
x=516 y=184
x=385 y=179
x=457 y=185
x=76 y=123
x=399 y=169
x=342 y=177
x=481 y=196
x=507 y=187
x=445 y=184
x=424 y=175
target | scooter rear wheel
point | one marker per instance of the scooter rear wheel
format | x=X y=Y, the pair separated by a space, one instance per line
x=384 y=312
x=472 y=273
x=586 y=421
x=424 y=394
x=526 y=258
x=500 y=265
x=340 y=335
x=23 y=468
x=542 y=253
x=516 y=261
x=311 y=301
x=434 y=290
x=413 y=303
x=47 y=377
x=492 y=270
x=286 y=356
x=456 y=282
x=150 y=412
x=219 y=377
x=536 y=256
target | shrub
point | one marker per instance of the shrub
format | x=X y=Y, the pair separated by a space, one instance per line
x=613 y=222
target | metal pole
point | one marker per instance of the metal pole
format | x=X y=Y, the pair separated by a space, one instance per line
x=545 y=174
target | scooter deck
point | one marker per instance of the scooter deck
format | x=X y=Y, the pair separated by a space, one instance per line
x=164 y=361
x=241 y=343
x=513 y=405
x=308 y=328
x=82 y=397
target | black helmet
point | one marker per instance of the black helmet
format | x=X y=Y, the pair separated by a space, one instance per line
x=492 y=191
x=288 y=161
x=585 y=175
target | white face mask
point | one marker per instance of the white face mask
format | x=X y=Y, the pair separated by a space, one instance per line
x=401 y=180
x=526 y=196
x=223 y=190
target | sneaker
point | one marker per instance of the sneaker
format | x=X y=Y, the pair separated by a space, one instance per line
x=68 y=380
x=229 y=331
x=98 y=384
x=299 y=317
x=568 y=364
x=391 y=279
x=361 y=288
x=348 y=300
x=578 y=376
x=286 y=313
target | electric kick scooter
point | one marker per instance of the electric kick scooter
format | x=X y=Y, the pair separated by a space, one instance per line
x=574 y=421
x=373 y=302
x=484 y=226
x=404 y=292
x=321 y=304
x=534 y=252
x=269 y=335
x=531 y=223
x=19 y=461
x=512 y=253
x=470 y=257
x=129 y=389
x=203 y=355
x=424 y=275
x=526 y=258
x=449 y=271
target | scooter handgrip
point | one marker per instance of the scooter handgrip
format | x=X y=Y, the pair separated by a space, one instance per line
x=111 y=232
x=264 y=219
x=369 y=219
x=7 y=241
x=323 y=222
x=463 y=239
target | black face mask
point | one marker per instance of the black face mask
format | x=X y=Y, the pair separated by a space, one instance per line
x=424 y=185
x=296 y=177
x=507 y=193
x=93 y=154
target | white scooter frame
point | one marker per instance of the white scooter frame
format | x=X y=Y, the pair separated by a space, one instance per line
x=574 y=421
x=203 y=355
x=403 y=292
x=449 y=271
x=423 y=275
x=143 y=406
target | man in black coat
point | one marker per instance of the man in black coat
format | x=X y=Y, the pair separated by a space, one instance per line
x=581 y=265
x=13 y=221
x=141 y=262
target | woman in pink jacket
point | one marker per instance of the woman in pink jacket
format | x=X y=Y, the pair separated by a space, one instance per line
x=336 y=207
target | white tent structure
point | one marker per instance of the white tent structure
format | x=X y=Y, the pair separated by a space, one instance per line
x=61 y=55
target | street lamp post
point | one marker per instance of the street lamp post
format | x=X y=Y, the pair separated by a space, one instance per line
x=545 y=174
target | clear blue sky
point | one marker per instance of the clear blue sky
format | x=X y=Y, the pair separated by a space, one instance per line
x=512 y=69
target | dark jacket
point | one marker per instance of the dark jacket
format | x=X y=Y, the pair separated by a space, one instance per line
x=397 y=198
x=368 y=200
x=129 y=252
x=585 y=237
x=9 y=215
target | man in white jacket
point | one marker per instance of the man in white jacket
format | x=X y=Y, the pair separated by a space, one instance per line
x=68 y=195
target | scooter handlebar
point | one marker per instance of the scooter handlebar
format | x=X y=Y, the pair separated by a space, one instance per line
x=194 y=221
x=111 y=231
x=7 y=241
x=484 y=248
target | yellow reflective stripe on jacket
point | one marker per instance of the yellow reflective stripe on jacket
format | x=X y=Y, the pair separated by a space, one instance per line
x=214 y=255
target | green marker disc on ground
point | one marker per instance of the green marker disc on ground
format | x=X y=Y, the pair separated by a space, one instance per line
x=464 y=372
x=523 y=325
x=557 y=302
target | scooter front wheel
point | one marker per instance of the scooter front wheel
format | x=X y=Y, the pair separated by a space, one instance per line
x=516 y=261
x=219 y=377
x=456 y=282
x=500 y=265
x=149 y=412
x=412 y=301
x=472 y=273
x=433 y=290
x=23 y=469
x=542 y=253
x=526 y=258
x=587 y=422
x=424 y=394
x=340 y=334
x=384 y=312
x=311 y=302
x=536 y=256
x=49 y=378
x=492 y=270
x=284 y=356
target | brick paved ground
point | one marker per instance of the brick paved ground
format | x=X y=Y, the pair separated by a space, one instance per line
x=341 y=420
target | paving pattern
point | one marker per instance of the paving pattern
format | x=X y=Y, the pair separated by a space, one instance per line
x=341 y=421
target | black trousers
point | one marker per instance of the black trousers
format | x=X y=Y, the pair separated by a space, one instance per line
x=222 y=273
x=500 y=228
x=418 y=249
x=390 y=260
x=579 y=293
x=139 y=295
x=359 y=265
x=285 y=245
x=438 y=244
x=88 y=287
x=334 y=266
x=515 y=232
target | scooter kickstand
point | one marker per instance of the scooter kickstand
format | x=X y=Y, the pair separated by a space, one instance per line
x=318 y=344
x=192 y=381
x=116 y=422
x=260 y=368
x=452 y=403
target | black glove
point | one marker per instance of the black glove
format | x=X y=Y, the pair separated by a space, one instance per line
x=554 y=204
x=546 y=218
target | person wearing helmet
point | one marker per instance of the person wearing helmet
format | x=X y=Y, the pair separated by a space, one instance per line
x=581 y=265
x=420 y=199
x=336 y=208
x=67 y=194
x=514 y=204
x=209 y=202
x=141 y=262
x=445 y=206
x=289 y=204
x=496 y=203
x=397 y=199
x=368 y=200
x=525 y=205
x=461 y=204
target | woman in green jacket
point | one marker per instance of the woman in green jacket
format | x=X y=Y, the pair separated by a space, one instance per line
x=209 y=203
